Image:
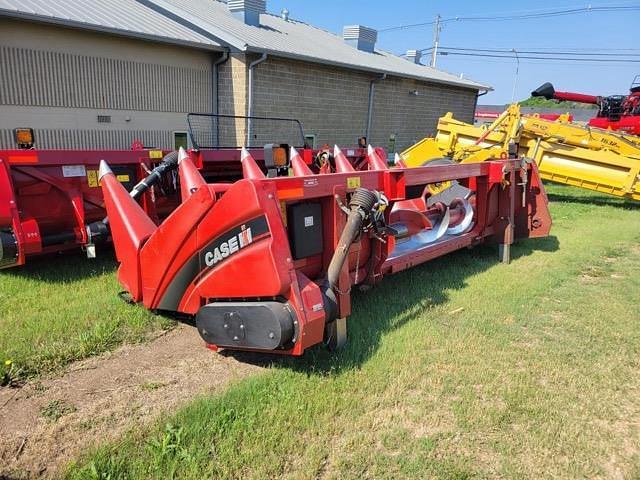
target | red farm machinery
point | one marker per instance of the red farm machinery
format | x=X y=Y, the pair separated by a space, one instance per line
x=615 y=112
x=263 y=246
x=51 y=200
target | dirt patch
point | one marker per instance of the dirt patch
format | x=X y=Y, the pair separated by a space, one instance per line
x=46 y=423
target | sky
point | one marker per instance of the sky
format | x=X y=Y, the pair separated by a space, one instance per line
x=586 y=31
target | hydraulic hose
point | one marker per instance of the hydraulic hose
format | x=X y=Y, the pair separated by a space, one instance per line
x=98 y=232
x=360 y=207
x=168 y=163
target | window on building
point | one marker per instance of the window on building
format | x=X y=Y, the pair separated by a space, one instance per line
x=180 y=139
x=310 y=140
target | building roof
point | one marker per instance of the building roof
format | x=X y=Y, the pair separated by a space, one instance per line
x=209 y=24
x=121 y=17
x=298 y=40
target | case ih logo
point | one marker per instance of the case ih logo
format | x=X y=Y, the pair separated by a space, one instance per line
x=229 y=247
x=232 y=242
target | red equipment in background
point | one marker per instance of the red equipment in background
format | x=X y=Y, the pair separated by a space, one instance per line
x=267 y=264
x=615 y=112
x=50 y=200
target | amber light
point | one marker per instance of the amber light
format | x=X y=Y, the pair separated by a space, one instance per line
x=280 y=156
x=24 y=137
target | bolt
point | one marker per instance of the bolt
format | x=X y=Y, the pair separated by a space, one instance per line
x=272 y=335
x=241 y=327
x=235 y=338
x=226 y=325
x=270 y=195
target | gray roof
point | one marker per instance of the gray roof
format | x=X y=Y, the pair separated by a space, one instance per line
x=209 y=24
x=121 y=17
x=298 y=40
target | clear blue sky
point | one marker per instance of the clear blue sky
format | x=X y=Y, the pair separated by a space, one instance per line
x=618 y=29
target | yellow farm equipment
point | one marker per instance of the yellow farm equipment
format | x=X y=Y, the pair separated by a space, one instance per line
x=587 y=157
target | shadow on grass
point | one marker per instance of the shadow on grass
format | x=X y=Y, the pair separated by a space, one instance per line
x=64 y=267
x=392 y=303
x=384 y=308
x=616 y=202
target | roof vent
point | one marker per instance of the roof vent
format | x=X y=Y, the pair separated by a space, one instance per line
x=285 y=14
x=248 y=11
x=363 y=38
x=414 y=56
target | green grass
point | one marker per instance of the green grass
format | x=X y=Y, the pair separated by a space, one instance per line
x=543 y=102
x=460 y=368
x=55 y=310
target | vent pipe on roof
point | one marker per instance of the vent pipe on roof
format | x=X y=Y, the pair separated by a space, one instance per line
x=414 y=56
x=363 y=38
x=285 y=14
x=248 y=11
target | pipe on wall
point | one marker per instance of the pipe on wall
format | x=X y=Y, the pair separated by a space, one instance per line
x=475 y=106
x=215 y=97
x=252 y=66
x=372 y=91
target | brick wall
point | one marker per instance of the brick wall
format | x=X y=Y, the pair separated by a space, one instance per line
x=399 y=111
x=232 y=100
x=332 y=103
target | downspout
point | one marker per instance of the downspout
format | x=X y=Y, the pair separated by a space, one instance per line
x=475 y=107
x=215 y=100
x=372 y=91
x=252 y=66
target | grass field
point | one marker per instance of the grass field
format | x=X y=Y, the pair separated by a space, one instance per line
x=461 y=368
x=59 y=309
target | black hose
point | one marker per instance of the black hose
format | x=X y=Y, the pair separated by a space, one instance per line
x=98 y=232
x=361 y=203
x=168 y=163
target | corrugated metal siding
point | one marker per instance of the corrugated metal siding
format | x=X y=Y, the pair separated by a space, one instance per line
x=89 y=139
x=6 y=139
x=55 y=79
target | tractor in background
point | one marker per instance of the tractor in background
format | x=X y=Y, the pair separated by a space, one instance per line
x=615 y=112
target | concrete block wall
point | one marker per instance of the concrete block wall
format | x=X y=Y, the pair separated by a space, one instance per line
x=232 y=100
x=332 y=103
x=410 y=109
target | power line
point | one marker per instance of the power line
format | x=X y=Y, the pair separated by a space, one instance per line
x=521 y=16
x=538 y=52
x=489 y=55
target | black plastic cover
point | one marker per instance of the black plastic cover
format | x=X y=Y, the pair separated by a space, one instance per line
x=304 y=222
x=545 y=90
x=259 y=325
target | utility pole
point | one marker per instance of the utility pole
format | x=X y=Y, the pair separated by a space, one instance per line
x=436 y=40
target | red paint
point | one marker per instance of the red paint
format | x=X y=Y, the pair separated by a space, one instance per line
x=155 y=260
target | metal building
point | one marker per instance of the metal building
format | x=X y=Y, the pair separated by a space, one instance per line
x=88 y=74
